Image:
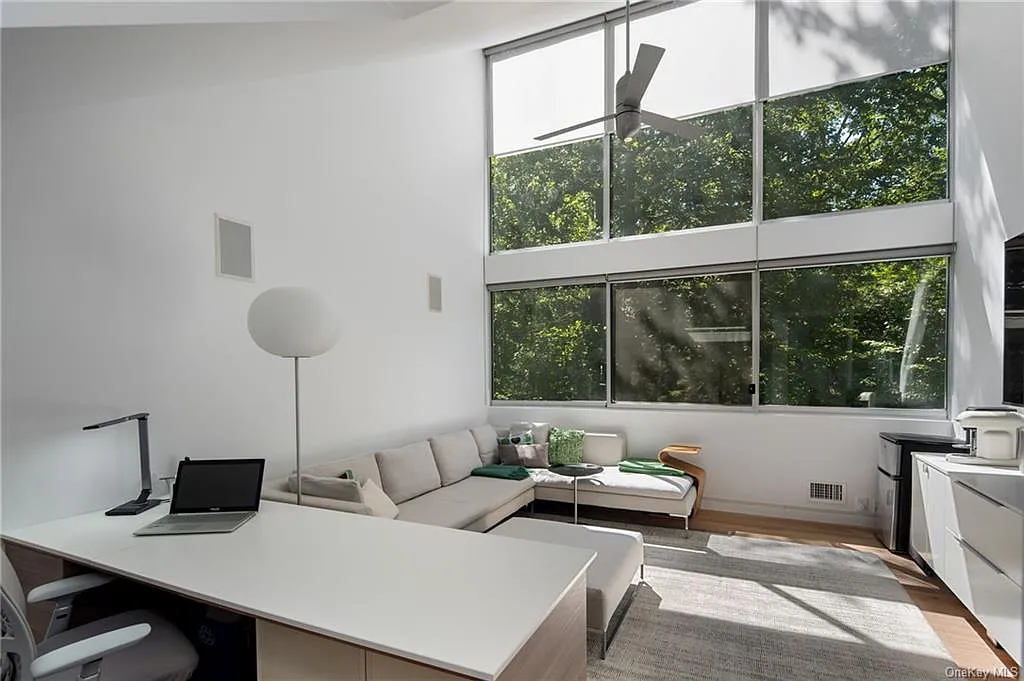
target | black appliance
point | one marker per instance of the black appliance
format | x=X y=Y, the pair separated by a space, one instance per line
x=892 y=516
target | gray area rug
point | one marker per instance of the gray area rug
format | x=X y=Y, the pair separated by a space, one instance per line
x=721 y=607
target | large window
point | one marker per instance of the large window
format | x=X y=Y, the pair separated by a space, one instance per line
x=865 y=335
x=683 y=340
x=879 y=142
x=548 y=343
x=740 y=267
x=853 y=335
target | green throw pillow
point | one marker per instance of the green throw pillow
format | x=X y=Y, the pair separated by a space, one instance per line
x=565 y=446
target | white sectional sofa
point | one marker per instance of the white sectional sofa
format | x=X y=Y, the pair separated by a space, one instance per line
x=430 y=482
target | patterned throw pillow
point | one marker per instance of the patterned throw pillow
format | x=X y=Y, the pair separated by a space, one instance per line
x=565 y=446
x=517 y=439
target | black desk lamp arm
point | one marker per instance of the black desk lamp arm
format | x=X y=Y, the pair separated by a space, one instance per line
x=143 y=419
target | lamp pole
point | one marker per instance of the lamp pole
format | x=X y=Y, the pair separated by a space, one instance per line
x=298 y=447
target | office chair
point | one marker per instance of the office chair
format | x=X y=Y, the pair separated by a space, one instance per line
x=131 y=646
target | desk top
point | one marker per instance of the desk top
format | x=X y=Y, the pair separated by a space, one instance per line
x=462 y=601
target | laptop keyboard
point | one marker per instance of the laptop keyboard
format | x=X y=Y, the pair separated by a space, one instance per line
x=184 y=520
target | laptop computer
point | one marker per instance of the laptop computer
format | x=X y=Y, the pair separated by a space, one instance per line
x=211 y=495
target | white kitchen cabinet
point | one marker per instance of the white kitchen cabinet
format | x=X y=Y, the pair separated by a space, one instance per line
x=929 y=501
x=975 y=544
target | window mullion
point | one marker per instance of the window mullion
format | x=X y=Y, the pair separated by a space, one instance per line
x=609 y=127
x=609 y=349
x=755 y=339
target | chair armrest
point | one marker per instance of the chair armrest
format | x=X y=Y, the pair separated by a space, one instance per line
x=87 y=650
x=69 y=586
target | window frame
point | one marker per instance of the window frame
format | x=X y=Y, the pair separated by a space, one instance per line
x=607 y=22
x=754 y=269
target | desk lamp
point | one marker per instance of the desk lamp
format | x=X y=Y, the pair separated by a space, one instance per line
x=293 y=322
x=142 y=502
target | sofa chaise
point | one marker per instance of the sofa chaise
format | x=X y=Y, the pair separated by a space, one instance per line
x=430 y=482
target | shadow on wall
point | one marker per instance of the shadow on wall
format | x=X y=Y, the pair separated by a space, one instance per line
x=881 y=32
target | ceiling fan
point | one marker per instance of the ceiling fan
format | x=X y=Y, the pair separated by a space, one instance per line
x=629 y=90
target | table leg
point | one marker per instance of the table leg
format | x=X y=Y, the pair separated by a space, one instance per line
x=575 y=502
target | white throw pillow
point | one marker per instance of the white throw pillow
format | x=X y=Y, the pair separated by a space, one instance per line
x=380 y=504
x=330 y=488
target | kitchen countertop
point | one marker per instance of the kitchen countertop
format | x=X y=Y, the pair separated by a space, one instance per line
x=1004 y=485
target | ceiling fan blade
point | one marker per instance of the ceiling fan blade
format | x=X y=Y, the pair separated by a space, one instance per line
x=584 y=124
x=647 y=59
x=671 y=125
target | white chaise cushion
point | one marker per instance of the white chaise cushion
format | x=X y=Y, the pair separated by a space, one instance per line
x=409 y=471
x=456 y=455
x=613 y=481
x=486 y=442
x=460 y=504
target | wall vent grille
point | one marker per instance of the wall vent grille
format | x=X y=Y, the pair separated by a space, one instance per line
x=828 y=492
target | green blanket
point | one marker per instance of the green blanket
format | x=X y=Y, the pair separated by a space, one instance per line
x=650 y=467
x=505 y=472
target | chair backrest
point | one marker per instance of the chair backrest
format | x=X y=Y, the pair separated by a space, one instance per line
x=18 y=644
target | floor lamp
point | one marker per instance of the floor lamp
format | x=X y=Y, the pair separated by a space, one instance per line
x=293 y=322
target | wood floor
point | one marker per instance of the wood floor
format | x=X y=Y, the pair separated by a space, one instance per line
x=962 y=635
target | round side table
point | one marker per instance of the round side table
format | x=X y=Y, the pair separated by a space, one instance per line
x=576 y=471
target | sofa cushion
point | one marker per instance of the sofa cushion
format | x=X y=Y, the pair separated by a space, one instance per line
x=612 y=481
x=331 y=488
x=486 y=442
x=408 y=471
x=533 y=456
x=604 y=449
x=456 y=455
x=380 y=504
x=460 y=504
x=364 y=466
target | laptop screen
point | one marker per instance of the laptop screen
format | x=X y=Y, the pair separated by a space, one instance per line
x=217 y=485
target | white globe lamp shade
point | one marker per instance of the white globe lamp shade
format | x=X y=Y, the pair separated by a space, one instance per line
x=293 y=322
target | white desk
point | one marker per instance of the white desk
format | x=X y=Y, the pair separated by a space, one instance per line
x=457 y=601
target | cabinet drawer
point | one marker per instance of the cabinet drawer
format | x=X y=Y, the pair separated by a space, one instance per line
x=994 y=531
x=993 y=598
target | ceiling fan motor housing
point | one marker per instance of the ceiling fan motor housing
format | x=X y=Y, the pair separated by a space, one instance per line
x=627 y=113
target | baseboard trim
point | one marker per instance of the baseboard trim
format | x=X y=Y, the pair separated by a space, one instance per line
x=818 y=515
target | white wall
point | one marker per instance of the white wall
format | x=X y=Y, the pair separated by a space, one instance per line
x=359 y=181
x=988 y=177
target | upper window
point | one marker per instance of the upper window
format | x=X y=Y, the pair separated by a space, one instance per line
x=548 y=343
x=816 y=43
x=683 y=340
x=865 y=335
x=661 y=183
x=547 y=196
x=709 y=56
x=546 y=89
x=879 y=142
